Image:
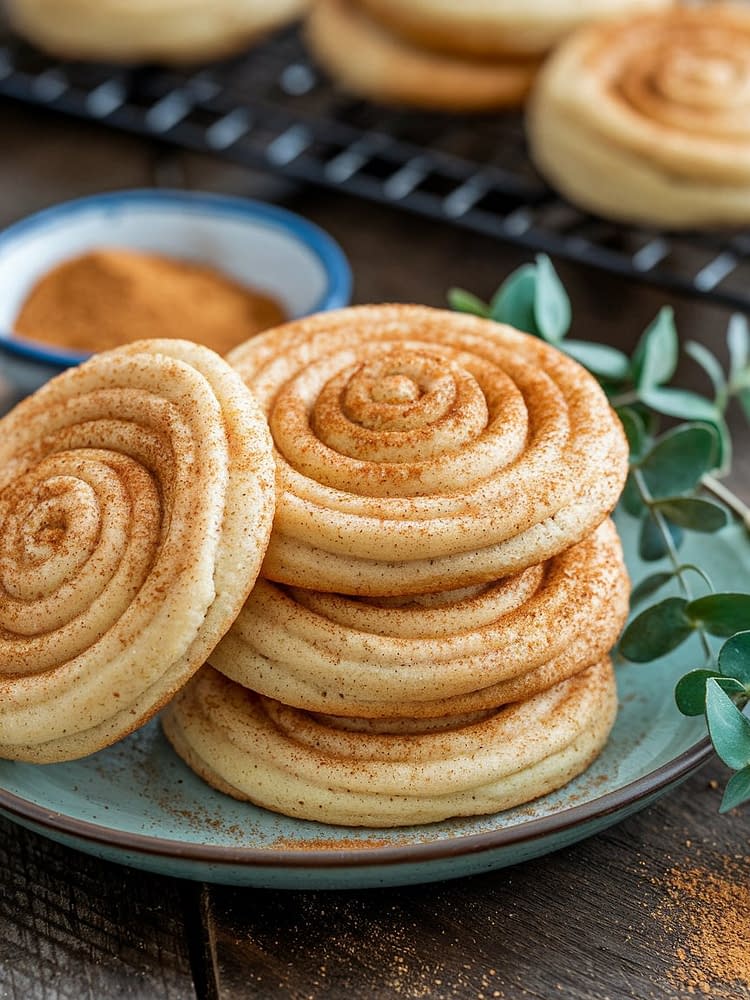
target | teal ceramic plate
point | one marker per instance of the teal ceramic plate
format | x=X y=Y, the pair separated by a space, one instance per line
x=136 y=803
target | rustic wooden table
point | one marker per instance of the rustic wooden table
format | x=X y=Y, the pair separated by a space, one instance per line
x=658 y=906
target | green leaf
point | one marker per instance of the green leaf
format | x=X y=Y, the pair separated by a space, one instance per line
x=737 y=790
x=679 y=459
x=724 y=456
x=631 y=497
x=649 y=585
x=656 y=631
x=734 y=657
x=709 y=363
x=651 y=544
x=727 y=726
x=738 y=342
x=513 y=302
x=635 y=430
x=694 y=513
x=551 y=303
x=690 y=692
x=720 y=614
x=600 y=359
x=655 y=357
x=680 y=403
x=744 y=398
x=465 y=302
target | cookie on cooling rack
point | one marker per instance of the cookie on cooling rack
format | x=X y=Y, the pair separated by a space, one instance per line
x=148 y=30
x=647 y=120
x=368 y=60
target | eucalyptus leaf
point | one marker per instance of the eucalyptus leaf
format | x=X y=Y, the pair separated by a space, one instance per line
x=679 y=459
x=694 y=513
x=680 y=403
x=551 y=303
x=724 y=456
x=690 y=692
x=650 y=585
x=738 y=342
x=734 y=657
x=744 y=398
x=601 y=360
x=631 y=497
x=463 y=301
x=727 y=726
x=737 y=790
x=656 y=631
x=635 y=430
x=655 y=357
x=709 y=363
x=720 y=614
x=513 y=302
x=652 y=544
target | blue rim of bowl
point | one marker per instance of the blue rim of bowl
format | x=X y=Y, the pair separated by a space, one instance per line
x=611 y=804
x=323 y=246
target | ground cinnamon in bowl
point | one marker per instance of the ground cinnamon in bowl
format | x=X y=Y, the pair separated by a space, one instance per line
x=109 y=297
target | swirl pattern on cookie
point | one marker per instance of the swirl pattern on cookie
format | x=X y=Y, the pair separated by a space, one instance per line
x=136 y=500
x=433 y=655
x=648 y=120
x=421 y=450
x=389 y=773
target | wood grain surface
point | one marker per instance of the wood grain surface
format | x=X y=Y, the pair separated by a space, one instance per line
x=607 y=919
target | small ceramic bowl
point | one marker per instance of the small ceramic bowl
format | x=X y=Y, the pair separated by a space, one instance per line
x=263 y=246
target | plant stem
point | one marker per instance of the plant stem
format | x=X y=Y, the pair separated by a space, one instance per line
x=624 y=398
x=723 y=493
x=669 y=545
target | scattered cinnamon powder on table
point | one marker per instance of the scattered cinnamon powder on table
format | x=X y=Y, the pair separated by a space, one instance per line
x=110 y=297
x=708 y=915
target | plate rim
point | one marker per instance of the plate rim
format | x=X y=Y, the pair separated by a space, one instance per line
x=333 y=858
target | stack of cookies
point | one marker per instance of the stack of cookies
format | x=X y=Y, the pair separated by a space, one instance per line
x=467 y=56
x=430 y=633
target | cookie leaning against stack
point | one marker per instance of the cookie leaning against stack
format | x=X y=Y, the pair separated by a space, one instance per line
x=647 y=120
x=453 y=477
x=136 y=500
x=469 y=56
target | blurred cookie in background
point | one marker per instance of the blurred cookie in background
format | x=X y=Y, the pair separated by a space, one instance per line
x=171 y=31
x=492 y=28
x=371 y=62
x=647 y=119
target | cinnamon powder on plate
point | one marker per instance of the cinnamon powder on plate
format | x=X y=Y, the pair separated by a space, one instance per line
x=109 y=297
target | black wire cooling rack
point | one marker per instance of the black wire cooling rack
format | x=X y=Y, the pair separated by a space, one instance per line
x=272 y=110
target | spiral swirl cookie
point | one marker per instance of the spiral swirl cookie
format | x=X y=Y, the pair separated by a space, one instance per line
x=420 y=450
x=373 y=63
x=389 y=773
x=440 y=654
x=140 y=30
x=648 y=120
x=486 y=28
x=136 y=500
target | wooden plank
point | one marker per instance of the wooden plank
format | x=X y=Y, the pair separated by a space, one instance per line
x=75 y=928
x=597 y=921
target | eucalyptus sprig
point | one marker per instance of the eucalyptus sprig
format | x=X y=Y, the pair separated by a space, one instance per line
x=669 y=474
